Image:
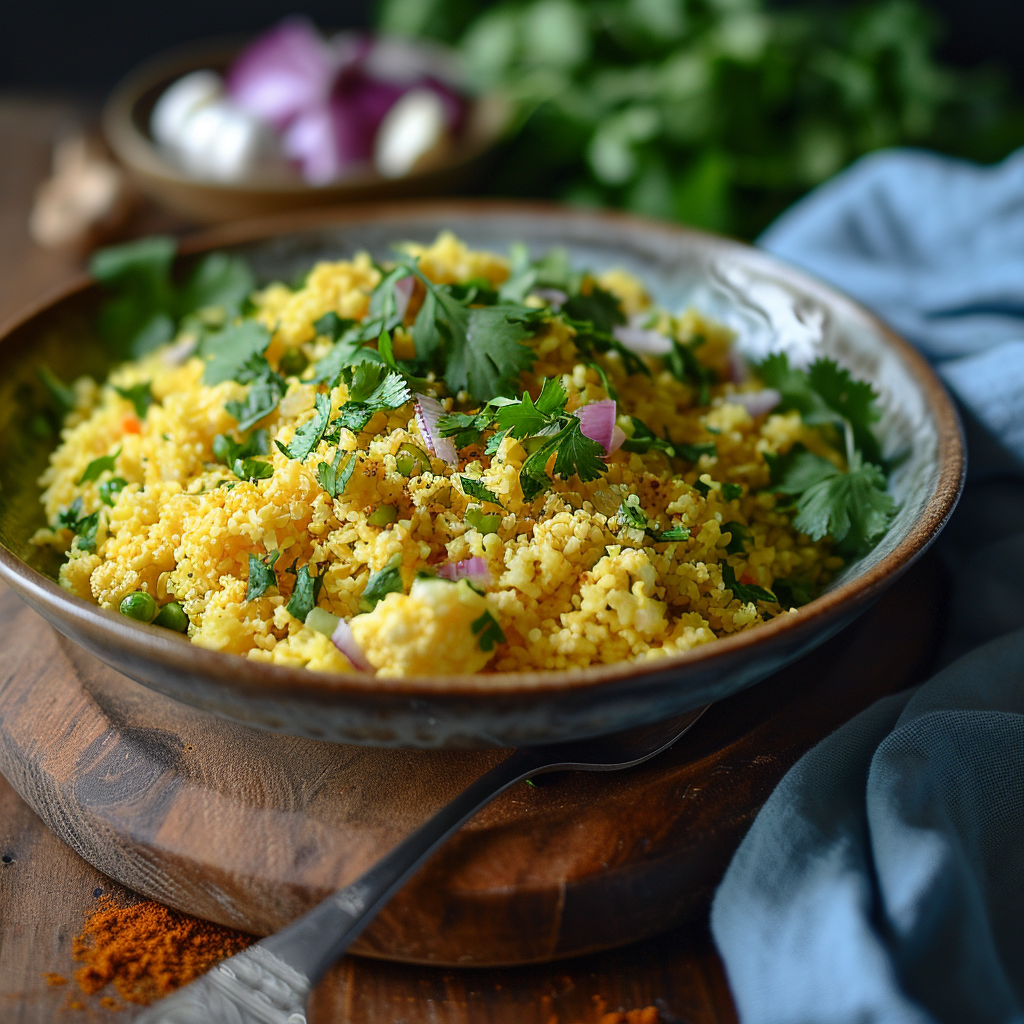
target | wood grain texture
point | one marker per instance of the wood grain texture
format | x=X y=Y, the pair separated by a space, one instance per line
x=250 y=829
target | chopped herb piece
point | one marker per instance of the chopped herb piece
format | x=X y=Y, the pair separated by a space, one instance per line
x=140 y=395
x=252 y=469
x=71 y=515
x=487 y=631
x=98 y=466
x=608 y=386
x=266 y=390
x=599 y=307
x=310 y=434
x=525 y=417
x=333 y=479
x=739 y=540
x=226 y=449
x=731 y=491
x=84 y=527
x=475 y=489
x=380 y=584
x=220 y=280
x=644 y=440
x=63 y=397
x=332 y=326
x=795 y=591
x=675 y=534
x=110 y=489
x=590 y=340
x=748 y=593
x=465 y=428
x=631 y=514
x=684 y=365
x=700 y=486
x=693 y=452
x=483 y=523
x=344 y=353
x=305 y=594
x=231 y=351
x=261 y=574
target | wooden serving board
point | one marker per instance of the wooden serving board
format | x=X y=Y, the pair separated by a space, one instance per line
x=250 y=828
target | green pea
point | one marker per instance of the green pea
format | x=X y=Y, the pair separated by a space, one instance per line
x=293 y=362
x=223 y=448
x=139 y=606
x=172 y=616
x=110 y=489
x=383 y=515
x=409 y=459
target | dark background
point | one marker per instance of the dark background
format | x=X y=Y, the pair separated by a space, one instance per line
x=85 y=47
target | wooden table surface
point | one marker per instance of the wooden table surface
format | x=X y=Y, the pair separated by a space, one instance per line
x=46 y=890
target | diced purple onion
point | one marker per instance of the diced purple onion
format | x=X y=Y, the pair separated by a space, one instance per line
x=428 y=412
x=343 y=639
x=474 y=569
x=403 y=293
x=554 y=297
x=642 y=340
x=284 y=72
x=757 y=403
x=597 y=421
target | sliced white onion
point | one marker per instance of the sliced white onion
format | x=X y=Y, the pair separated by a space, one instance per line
x=642 y=340
x=343 y=639
x=757 y=403
x=474 y=569
x=428 y=412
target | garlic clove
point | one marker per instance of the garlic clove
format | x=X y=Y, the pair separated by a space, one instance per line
x=414 y=127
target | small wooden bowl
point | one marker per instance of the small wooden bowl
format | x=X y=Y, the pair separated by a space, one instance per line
x=126 y=128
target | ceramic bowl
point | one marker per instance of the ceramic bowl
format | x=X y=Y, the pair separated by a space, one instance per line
x=767 y=301
x=126 y=128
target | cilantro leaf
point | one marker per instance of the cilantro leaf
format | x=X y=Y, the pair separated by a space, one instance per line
x=98 y=466
x=305 y=594
x=332 y=326
x=261 y=575
x=590 y=340
x=266 y=391
x=578 y=454
x=110 y=489
x=309 y=435
x=465 y=428
x=218 y=279
x=631 y=514
x=748 y=593
x=525 y=417
x=797 y=470
x=487 y=631
x=140 y=395
x=84 y=527
x=333 y=479
x=683 y=364
x=226 y=449
x=252 y=469
x=387 y=581
x=475 y=489
x=740 y=538
x=599 y=307
x=795 y=591
x=731 y=491
x=71 y=515
x=232 y=349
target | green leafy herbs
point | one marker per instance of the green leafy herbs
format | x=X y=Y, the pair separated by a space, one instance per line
x=683 y=364
x=826 y=394
x=372 y=387
x=748 y=593
x=110 y=489
x=731 y=491
x=475 y=489
x=140 y=395
x=645 y=440
x=231 y=351
x=477 y=349
x=387 y=581
x=334 y=476
x=305 y=592
x=241 y=458
x=795 y=591
x=261 y=574
x=146 y=306
x=311 y=433
x=632 y=515
x=487 y=631
x=84 y=527
x=252 y=469
x=853 y=506
x=99 y=466
x=739 y=539
x=266 y=390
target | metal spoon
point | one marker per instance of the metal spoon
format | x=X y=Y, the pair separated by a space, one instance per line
x=270 y=982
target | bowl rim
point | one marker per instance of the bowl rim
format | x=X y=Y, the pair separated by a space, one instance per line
x=178 y=654
x=137 y=150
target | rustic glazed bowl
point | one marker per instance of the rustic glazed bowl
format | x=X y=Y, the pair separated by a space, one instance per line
x=126 y=129
x=768 y=302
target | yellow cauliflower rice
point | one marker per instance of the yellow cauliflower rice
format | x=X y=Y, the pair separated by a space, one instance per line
x=294 y=459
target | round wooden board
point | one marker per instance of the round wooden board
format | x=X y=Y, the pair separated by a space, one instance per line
x=250 y=828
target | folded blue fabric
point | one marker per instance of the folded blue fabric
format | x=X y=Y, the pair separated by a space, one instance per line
x=884 y=878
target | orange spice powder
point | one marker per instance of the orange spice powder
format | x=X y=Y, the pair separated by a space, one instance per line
x=147 y=950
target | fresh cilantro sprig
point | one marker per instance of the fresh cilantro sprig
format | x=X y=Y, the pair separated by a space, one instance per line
x=632 y=515
x=372 y=387
x=311 y=433
x=334 y=476
x=475 y=489
x=683 y=364
x=305 y=592
x=386 y=581
x=140 y=395
x=487 y=631
x=84 y=527
x=98 y=466
x=261 y=574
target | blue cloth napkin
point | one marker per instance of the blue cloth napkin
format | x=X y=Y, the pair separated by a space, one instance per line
x=884 y=878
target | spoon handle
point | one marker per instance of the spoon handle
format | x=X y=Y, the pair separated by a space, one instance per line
x=269 y=982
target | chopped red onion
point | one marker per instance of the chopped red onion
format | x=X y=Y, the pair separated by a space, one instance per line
x=403 y=293
x=642 y=340
x=474 y=569
x=597 y=421
x=343 y=639
x=757 y=403
x=428 y=412
x=284 y=72
x=554 y=297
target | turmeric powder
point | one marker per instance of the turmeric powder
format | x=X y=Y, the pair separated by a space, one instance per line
x=148 y=950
